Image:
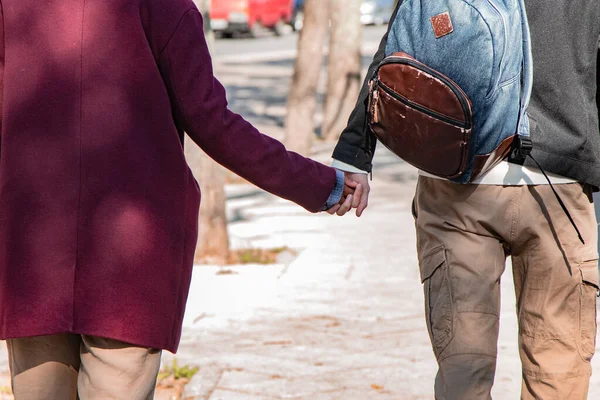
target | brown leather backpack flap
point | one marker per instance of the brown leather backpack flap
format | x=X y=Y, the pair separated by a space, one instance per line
x=422 y=88
x=427 y=143
x=420 y=118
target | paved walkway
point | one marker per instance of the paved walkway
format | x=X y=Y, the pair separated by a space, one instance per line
x=344 y=320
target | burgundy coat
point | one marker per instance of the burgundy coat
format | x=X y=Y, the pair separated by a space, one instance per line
x=98 y=208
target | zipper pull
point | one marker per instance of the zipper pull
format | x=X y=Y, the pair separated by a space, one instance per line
x=374 y=98
x=375 y=109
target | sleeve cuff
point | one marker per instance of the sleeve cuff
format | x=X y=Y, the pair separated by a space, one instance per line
x=337 y=192
x=342 y=166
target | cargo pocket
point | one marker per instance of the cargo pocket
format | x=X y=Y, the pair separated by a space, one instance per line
x=438 y=298
x=587 y=314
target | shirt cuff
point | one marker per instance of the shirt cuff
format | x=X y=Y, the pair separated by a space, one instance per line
x=342 y=166
x=337 y=192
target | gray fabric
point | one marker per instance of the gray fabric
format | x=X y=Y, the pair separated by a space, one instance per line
x=563 y=110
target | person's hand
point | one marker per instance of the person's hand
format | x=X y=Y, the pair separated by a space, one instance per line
x=353 y=195
x=352 y=191
x=342 y=207
x=360 y=199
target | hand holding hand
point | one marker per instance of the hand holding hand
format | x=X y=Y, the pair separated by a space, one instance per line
x=355 y=195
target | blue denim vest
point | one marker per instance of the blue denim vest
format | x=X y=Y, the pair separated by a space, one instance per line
x=488 y=54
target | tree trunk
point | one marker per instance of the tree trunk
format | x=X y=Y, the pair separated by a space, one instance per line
x=213 y=238
x=343 y=66
x=302 y=100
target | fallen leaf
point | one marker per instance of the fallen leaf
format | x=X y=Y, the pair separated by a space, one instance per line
x=227 y=272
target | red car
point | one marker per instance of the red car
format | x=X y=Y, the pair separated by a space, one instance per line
x=250 y=16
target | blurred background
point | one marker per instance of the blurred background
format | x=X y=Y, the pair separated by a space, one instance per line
x=288 y=305
x=293 y=68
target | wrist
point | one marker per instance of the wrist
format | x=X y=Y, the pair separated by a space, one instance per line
x=336 y=193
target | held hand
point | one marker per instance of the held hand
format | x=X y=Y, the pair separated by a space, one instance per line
x=360 y=198
x=353 y=188
x=342 y=207
x=347 y=201
x=354 y=195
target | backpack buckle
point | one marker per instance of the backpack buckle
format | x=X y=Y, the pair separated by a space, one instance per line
x=522 y=147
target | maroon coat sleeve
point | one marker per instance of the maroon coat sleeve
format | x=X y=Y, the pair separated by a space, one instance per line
x=200 y=108
x=2 y=58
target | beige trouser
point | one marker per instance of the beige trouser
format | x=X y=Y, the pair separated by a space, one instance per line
x=59 y=367
x=464 y=234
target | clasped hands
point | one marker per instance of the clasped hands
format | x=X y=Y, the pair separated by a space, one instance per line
x=355 y=195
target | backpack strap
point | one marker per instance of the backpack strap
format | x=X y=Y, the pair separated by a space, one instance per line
x=524 y=144
x=562 y=204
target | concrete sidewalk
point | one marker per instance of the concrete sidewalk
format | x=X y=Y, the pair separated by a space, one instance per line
x=344 y=320
x=341 y=321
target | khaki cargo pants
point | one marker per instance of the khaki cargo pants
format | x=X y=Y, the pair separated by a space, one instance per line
x=464 y=234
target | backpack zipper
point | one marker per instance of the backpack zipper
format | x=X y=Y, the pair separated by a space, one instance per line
x=417 y=106
x=458 y=92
